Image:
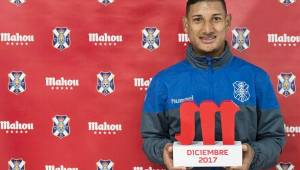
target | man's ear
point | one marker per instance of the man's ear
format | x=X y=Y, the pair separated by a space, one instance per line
x=228 y=21
x=185 y=24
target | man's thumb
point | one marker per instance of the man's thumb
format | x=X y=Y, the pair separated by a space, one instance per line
x=245 y=147
x=170 y=148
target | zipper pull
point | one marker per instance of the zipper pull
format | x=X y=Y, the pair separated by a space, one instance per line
x=209 y=61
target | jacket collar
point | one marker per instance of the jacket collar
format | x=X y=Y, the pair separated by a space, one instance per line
x=204 y=61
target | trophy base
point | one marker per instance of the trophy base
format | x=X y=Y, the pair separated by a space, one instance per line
x=199 y=155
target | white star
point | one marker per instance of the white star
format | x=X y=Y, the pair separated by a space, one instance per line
x=12 y=43
x=141 y=88
x=114 y=133
x=7 y=43
x=109 y=132
x=61 y=88
x=295 y=45
x=52 y=88
x=66 y=88
x=26 y=131
x=109 y=44
x=95 y=132
x=104 y=133
x=17 y=131
x=275 y=44
x=100 y=44
x=11 y=131
x=95 y=44
x=26 y=43
x=99 y=133
x=7 y=131
x=115 y=44
x=57 y=88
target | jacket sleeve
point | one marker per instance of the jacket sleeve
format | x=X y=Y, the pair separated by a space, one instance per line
x=270 y=137
x=154 y=123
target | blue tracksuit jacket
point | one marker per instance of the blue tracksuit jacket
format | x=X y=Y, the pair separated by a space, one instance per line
x=258 y=123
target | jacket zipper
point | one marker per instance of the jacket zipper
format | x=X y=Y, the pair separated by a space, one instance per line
x=210 y=73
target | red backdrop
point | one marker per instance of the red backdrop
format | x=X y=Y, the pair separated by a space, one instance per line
x=133 y=67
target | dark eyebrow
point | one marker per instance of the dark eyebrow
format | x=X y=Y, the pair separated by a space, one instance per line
x=197 y=16
x=217 y=14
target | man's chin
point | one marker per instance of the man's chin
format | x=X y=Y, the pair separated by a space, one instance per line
x=205 y=50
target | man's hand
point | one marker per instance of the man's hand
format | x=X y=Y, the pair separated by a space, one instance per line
x=248 y=154
x=168 y=158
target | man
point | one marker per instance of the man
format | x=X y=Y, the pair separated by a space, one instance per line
x=210 y=72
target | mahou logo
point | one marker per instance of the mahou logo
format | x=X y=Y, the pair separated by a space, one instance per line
x=207 y=110
x=291 y=131
x=183 y=39
x=142 y=83
x=105 y=39
x=104 y=128
x=283 y=40
x=15 y=127
x=61 y=83
x=61 y=167
x=16 y=39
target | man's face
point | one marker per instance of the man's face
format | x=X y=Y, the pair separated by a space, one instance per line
x=206 y=25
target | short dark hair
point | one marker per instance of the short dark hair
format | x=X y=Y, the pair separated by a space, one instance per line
x=191 y=2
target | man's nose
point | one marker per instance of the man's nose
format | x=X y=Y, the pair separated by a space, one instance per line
x=208 y=27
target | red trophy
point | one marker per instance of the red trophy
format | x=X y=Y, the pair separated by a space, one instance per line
x=207 y=153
